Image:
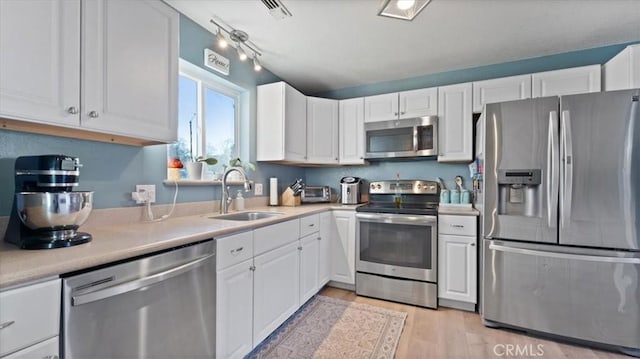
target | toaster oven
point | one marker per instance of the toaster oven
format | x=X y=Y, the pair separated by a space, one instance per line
x=316 y=194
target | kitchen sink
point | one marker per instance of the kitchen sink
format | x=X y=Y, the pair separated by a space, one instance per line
x=247 y=216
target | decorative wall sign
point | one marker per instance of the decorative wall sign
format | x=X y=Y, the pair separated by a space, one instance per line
x=216 y=61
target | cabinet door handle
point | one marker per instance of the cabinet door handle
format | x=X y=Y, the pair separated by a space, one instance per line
x=472 y=244
x=312 y=224
x=299 y=248
x=252 y=268
x=457 y=225
x=72 y=110
x=7 y=324
x=50 y=357
x=395 y=114
x=94 y=114
x=402 y=113
x=239 y=249
x=319 y=238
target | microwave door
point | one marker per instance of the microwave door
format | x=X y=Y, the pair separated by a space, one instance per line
x=390 y=142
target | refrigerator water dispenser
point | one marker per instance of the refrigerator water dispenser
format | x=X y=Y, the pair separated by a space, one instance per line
x=519 y=192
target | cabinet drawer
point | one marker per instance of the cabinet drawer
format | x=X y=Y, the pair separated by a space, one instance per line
x=234 y=249
x=29 y=315
x=458 y=225
x=309 y=224
x=274 y=236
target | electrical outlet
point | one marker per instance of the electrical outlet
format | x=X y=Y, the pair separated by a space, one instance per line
x=258 y=189
x=146 y=193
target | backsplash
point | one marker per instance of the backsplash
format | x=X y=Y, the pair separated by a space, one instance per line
x=412 y=169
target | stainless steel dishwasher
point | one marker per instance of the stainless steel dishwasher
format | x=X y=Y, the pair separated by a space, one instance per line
x=160 y=306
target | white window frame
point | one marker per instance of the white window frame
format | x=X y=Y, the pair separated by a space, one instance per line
x=205 y=79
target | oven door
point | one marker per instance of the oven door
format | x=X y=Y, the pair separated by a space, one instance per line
x=397 y=245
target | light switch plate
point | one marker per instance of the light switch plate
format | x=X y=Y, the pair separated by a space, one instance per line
x=258 y=189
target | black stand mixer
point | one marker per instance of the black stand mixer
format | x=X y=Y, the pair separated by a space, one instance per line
x=46 y=212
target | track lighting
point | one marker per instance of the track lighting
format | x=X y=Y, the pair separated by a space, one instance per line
x=256 y=64
x=222 y=41
x=240 y=40
x=241 y=54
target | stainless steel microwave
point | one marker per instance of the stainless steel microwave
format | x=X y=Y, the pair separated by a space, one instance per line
x=412 y=137
x=316 y=194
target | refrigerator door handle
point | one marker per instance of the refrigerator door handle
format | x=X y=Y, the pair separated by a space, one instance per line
x=567 y=178
x=560 y=255
x=553 y=167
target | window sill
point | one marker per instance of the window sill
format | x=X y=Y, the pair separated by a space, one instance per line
x=186 y=182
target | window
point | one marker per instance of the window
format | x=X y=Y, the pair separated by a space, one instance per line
x=208 y=119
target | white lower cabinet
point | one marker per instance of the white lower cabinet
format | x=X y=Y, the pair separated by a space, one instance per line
x=30 y=320
x=275 y=289
x=265 y=275
x=343 y=247
x=234 y=310
x=324 y=248
x=457 y=259
x=309 y=267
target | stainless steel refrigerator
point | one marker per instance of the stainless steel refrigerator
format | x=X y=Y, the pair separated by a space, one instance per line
x=561 y=222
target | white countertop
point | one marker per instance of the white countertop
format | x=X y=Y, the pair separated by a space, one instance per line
x=115 y=243
x=458 y=211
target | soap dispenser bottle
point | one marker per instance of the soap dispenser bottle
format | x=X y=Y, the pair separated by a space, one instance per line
x=239 y=201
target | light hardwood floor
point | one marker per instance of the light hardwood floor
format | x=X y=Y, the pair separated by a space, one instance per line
x=448 y=333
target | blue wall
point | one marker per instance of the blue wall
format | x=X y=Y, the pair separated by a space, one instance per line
x=112 y=171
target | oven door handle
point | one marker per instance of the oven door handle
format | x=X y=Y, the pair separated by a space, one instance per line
x=418 y=220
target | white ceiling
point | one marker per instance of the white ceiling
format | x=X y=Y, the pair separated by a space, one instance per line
x=333 y=44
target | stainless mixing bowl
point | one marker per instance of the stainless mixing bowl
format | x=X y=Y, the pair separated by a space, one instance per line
x=54 y=210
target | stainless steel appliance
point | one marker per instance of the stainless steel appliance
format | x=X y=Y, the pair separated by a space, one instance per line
x=316 y=194
x=396 y=242
x=162 y=306
x=353 y=190
x=46 y=212
x=412 y=137
x=562 y=217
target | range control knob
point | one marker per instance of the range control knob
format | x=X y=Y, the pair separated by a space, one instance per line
x=379 y=186
x=418 y=186
x=373 y=186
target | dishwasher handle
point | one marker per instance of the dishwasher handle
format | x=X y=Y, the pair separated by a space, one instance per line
x=138 y=283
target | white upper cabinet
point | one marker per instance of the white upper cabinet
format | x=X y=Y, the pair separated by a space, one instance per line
x=130 y=68
x=322 y=130
x=500 y=90
x=381 y=107
x=40 y=61
x=351 y=132
x=623 y=70
x=400 y=105
x=570 y=81
x=104 y=66
x=455 y=123
x=281 y=123
x=418 y=103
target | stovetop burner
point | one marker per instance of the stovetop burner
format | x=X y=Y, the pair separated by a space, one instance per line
x=402 y=197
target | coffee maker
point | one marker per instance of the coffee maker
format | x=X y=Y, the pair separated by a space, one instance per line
x=46 y=213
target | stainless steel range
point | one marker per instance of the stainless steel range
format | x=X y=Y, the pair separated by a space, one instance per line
x=396 y=247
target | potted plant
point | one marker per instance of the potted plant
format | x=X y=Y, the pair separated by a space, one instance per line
x=194 y=168
x=237 y=162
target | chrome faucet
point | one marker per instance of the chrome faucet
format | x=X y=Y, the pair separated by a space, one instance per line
x=226 y=199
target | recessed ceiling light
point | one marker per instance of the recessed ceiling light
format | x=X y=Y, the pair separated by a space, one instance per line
x=402 y=9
